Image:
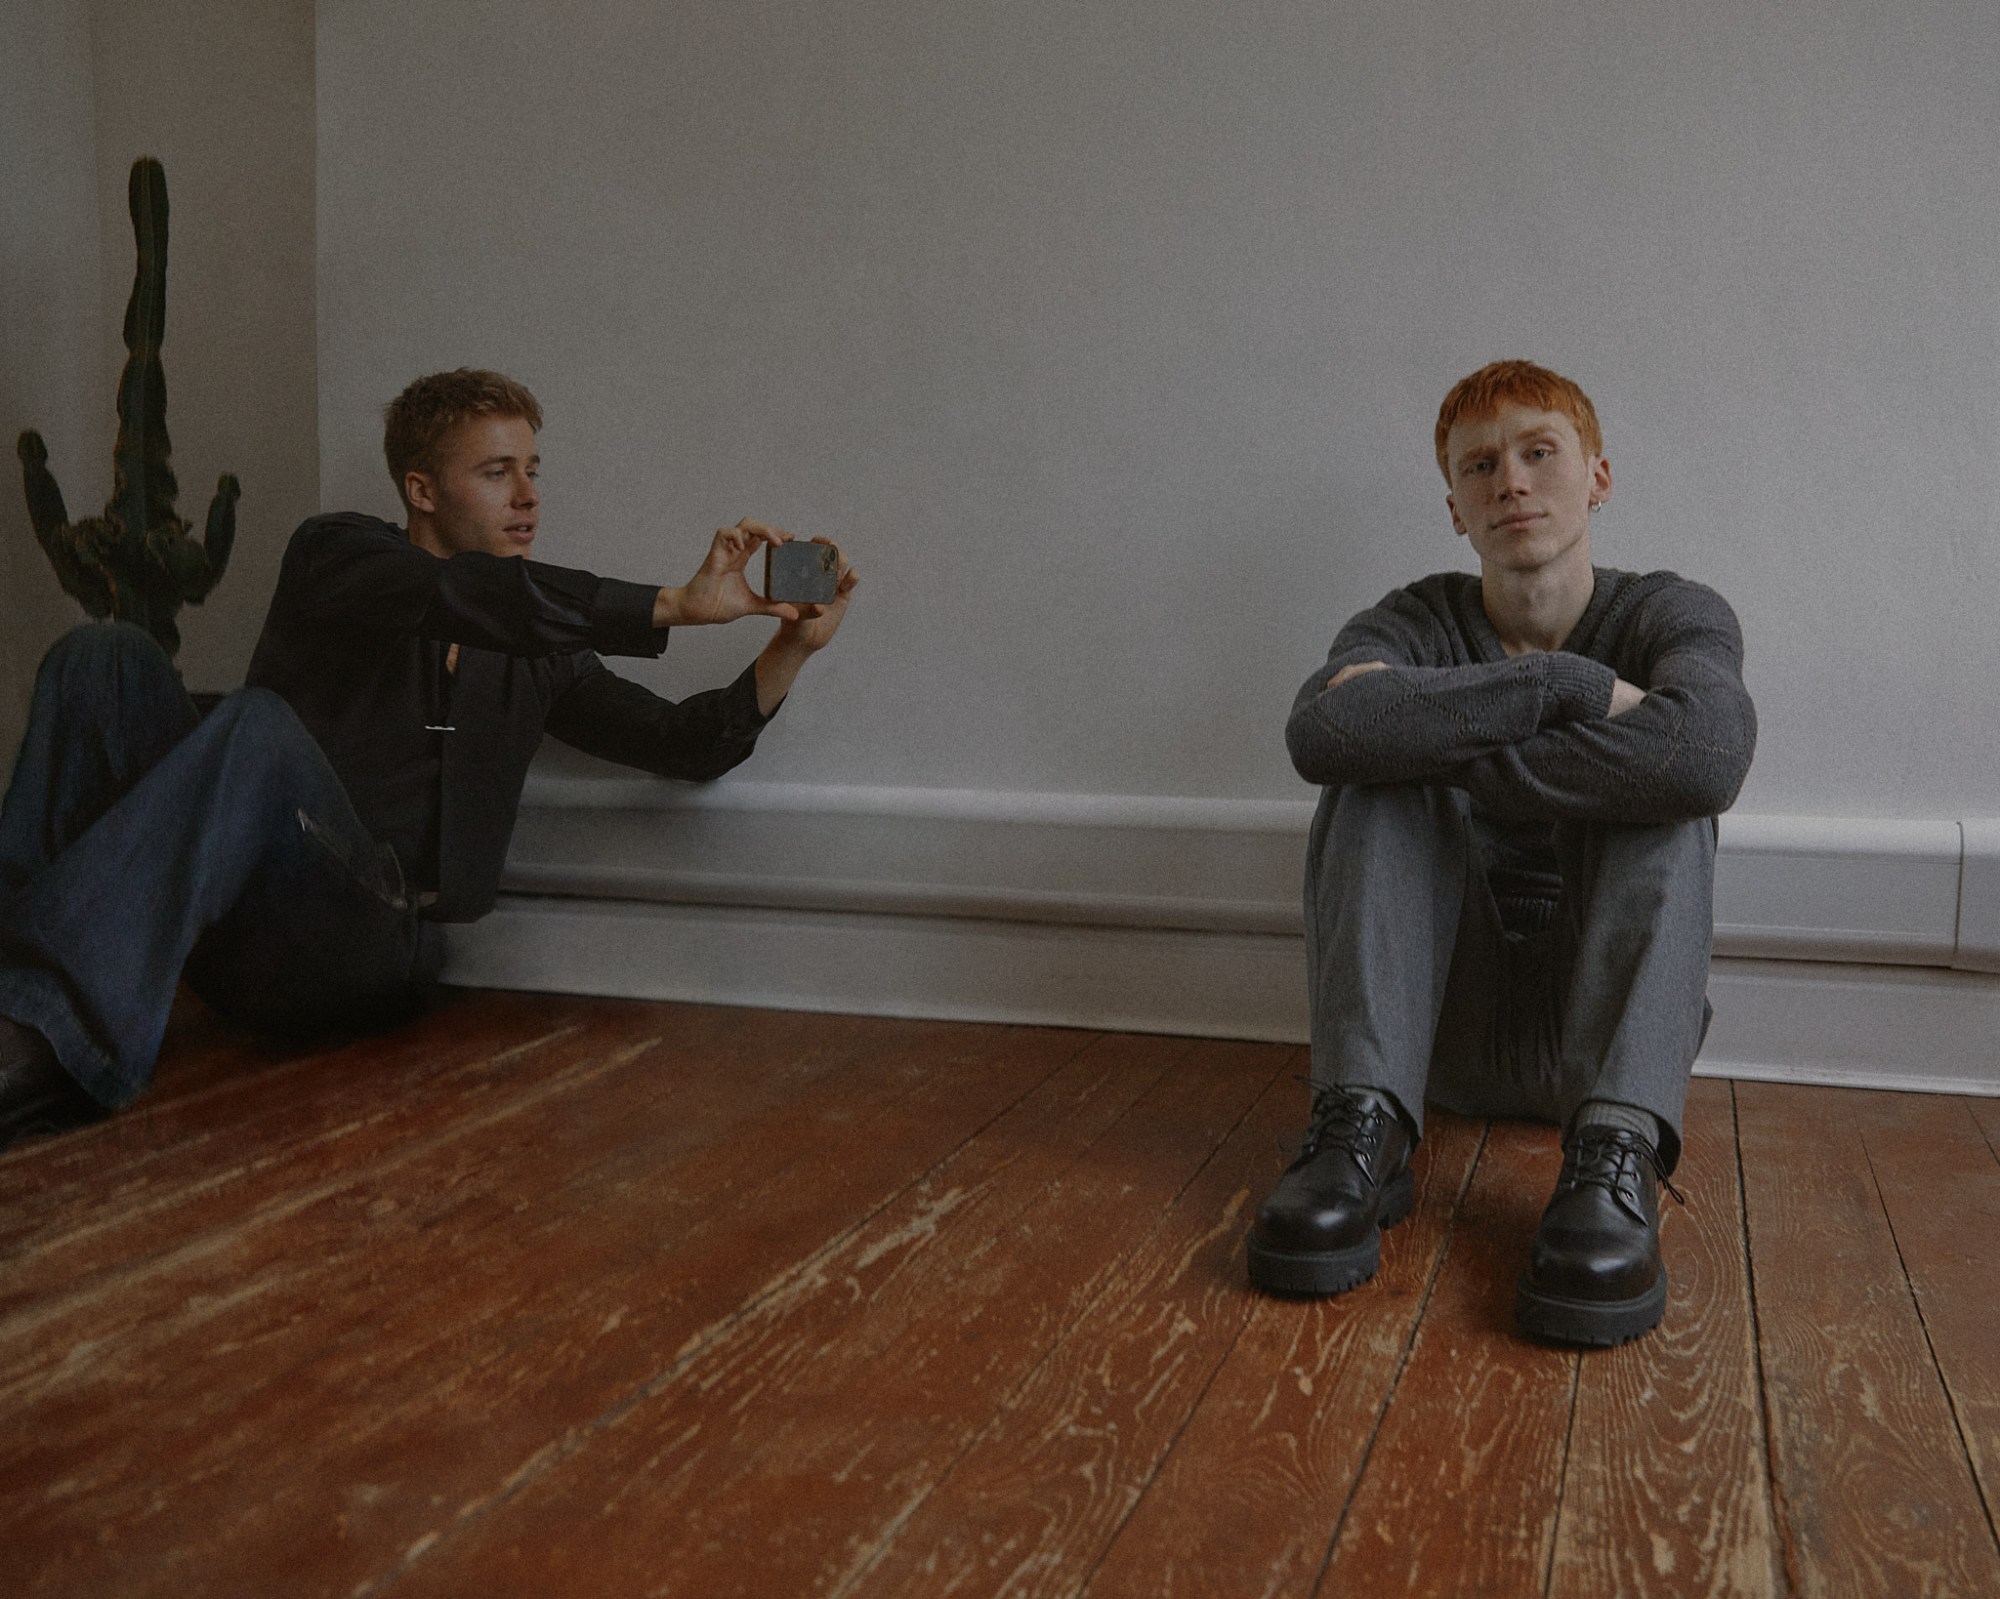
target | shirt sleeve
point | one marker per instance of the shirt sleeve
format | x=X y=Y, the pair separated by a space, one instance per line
x=1681 y=753
x=1422 y=718
x=360 y=573
x=698 y=738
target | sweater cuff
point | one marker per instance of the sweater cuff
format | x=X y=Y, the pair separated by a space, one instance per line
x=1574 y=687
x=621 y=622
x=741 y=718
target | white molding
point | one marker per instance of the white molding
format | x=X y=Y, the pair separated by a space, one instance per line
x=1080 y=908
x=1846 y=1025
x=937 y=804
x=1837 y=889
x=1978 y=942
x=1873 y=891
x=1922 y=1029
x=1199 y=984
x=1834 y=936
x=1219 y=866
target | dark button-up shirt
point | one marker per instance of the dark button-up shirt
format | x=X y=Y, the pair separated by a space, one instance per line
x=433 y=761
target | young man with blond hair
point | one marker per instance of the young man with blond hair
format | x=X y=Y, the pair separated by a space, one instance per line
x=294 y=851
x=1509 y=877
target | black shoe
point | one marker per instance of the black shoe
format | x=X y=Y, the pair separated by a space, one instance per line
x=36 y=1095
x=1595 y=1275
x=1320 y=1232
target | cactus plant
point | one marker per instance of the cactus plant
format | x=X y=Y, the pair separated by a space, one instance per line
x=136 y=562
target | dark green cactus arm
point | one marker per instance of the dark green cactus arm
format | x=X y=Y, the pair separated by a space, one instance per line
x=144 y=489
x=72 y=551
x=45 y=501
x=218 y=538
x=184 y=570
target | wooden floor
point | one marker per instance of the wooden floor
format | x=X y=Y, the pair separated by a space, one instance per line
x=571 y=1297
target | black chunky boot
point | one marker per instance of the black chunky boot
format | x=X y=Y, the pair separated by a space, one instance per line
x=1320 y=1232
x=1594 y=1274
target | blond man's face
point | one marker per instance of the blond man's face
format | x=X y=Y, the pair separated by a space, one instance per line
x=483 y=495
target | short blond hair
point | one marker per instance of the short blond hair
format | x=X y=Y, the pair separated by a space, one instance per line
x=416 y=422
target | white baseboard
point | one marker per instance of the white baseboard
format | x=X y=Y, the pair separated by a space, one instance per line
x=1835 y=938
x=1854 y=1026
x=1883 y=892
x=1202 y=984
x=1791 y=1021
x=1978 y=942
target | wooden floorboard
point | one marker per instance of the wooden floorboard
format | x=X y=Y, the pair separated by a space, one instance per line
x=1939 y=1183
x=1460 y=1490
x=422 y=1329
x=1061 y=1464
x=1252 y=1494
x=939 y=1311
x=1873 y=1488
x=1986 y=1114
x=551 y=1295
x=1666 y=1491
x=1057 y=1470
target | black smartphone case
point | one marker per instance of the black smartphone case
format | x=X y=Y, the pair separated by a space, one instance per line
x=801 y=573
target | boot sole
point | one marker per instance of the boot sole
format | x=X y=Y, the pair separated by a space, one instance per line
x=1597 y=1322
x=1331 y=1271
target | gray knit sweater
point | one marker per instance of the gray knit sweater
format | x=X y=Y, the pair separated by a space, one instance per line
x=1529 y=737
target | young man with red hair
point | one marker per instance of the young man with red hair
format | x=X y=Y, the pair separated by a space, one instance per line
x=294 y=851
x=1509 y=877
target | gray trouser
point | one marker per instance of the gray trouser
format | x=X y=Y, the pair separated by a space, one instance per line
x=1417 y=990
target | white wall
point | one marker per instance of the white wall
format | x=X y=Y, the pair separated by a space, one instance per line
x=1109 y=336
x=223 y=94
x=51 y=378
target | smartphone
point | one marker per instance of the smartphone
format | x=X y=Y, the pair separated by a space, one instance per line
x=802 y=573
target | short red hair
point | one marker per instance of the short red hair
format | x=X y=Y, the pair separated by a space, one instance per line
x=1479 y=396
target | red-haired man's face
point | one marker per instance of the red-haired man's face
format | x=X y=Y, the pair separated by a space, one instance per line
x=1522 y=486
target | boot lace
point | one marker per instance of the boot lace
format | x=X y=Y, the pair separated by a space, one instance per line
x=1340 y=1121
x=1602 y=1157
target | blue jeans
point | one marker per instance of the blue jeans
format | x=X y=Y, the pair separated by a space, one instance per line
x=138 y=840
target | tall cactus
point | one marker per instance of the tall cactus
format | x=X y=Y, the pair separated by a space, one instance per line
x=136 y=562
